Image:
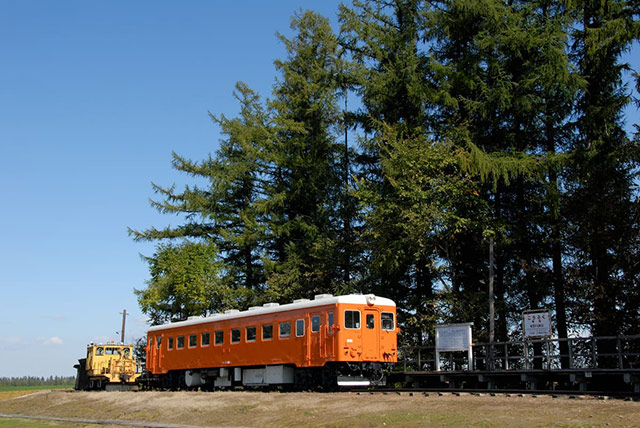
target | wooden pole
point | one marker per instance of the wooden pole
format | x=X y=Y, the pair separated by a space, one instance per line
x=124 y=318
x=491 y=305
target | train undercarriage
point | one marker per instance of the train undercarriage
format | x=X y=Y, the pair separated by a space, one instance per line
x=330 y=377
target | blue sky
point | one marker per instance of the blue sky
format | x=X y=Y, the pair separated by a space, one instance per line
x=94 y=97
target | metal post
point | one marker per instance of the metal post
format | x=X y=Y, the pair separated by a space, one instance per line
x=506 y=357
x=619 y=346
x=570 y=352
x=548 y=354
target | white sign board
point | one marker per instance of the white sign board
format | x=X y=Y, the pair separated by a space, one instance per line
x=536 y=323
x=452 y=338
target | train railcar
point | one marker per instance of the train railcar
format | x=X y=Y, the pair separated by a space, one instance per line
x=330 y=341
x=109 y=366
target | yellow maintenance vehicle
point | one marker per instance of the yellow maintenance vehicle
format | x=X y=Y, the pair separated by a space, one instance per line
x=109 y=366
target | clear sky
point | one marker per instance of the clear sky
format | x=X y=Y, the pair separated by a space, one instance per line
x=94 y=97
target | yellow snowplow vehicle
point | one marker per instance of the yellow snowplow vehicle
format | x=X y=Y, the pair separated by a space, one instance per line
x=108 y=366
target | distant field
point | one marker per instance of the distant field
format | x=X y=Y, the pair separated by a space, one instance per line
x=33 y=388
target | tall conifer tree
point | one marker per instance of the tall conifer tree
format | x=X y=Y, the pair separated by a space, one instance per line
x=603 y=212
x=305 y=190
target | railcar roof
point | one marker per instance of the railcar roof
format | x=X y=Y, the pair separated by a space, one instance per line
x=270 y=308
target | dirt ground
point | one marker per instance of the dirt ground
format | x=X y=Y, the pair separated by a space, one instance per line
x=261 y=409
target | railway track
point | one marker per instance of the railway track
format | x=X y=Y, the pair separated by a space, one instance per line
x=599 y=395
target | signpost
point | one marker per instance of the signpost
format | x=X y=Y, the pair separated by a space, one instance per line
x=536 y=323
x=454 y=338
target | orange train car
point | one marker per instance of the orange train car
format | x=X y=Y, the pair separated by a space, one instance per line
x=330 y=341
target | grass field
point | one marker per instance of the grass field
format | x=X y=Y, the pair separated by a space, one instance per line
x=329 y=410
x=9 y=392
x=33 y=388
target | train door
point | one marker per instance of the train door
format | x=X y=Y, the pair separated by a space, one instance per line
x=371 y=334
x=316 y=339
x=329 y=335
x=158 y=351
x=151 y=354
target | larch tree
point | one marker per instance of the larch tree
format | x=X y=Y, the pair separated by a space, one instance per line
x=384 y=43
x=222 y=212
x=603 y=211
x=302 y=221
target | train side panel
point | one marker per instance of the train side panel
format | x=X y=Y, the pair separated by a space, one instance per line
x=345 y=329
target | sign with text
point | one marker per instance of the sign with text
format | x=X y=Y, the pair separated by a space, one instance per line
x=536 y=323
x=453 y=337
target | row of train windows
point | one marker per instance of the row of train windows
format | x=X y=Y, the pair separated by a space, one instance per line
x=352 y=321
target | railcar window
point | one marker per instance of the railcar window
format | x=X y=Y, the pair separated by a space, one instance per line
x=267 y=332
x=219 y=339
x=151 y=342
x=100 y=350
x=204 y=339
x=180 y=344
x=285 y=329
x=193 y=341
x=352 y=319
x=330 y=322
x=158 y=342
x=299 y=328
x=370 y=321
x=111 y=351
x=387 y=321
x=235 y=335
x=315 y=323
x=170 y=344
x=251 y=334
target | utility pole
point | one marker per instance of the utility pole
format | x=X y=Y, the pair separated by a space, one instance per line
x=491 y=297
x=124 y=318
x=491 y=305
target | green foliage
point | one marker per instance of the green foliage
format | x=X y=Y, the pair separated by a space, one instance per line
x=473 y=119
x=602 y=208
x=184 y=282
x=36 y=381
x=301 y=198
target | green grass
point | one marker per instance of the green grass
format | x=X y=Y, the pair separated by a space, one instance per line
x=33 y=388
